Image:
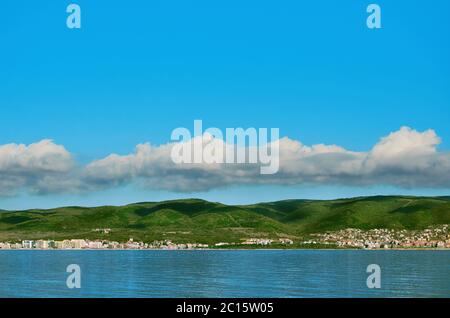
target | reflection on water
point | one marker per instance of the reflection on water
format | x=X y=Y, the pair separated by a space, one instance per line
x=224 y=273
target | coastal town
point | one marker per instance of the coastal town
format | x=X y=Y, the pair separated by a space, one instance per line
x=436 y=237
x=430 y=238
x=82 y=244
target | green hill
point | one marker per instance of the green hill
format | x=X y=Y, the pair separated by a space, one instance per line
x=207 y=222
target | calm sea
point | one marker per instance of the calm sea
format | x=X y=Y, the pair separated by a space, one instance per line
x=302 y=273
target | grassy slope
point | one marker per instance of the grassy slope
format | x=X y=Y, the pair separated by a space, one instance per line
x=207 y=222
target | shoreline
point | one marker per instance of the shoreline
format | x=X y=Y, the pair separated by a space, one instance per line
x=230 y=249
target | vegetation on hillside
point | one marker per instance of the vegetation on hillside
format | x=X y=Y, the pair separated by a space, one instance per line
x=200 y=221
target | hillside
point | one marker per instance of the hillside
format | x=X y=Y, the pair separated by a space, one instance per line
x=207 y=222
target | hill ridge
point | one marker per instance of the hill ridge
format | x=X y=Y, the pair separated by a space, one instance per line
x=204 y=221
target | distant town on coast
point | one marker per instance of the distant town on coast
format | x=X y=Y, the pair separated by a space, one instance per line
x=433 y=238
x=390 y=222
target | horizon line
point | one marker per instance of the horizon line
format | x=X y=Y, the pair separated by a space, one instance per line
x=232 y=205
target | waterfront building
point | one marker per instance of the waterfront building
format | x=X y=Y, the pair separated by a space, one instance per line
x=28 y=244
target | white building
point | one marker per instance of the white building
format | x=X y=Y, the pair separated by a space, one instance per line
x=78 y=244
x=95 y=245
x=27 y=244
x=41 y=244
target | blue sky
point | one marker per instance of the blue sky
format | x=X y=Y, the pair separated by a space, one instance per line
x=138 y=69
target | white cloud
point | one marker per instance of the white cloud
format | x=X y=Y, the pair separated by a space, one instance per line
x=41 y=156
x=23 y=166
x=406 y=141
x=405 y=158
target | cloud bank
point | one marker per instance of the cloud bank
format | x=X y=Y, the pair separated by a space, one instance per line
x=405 y=158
